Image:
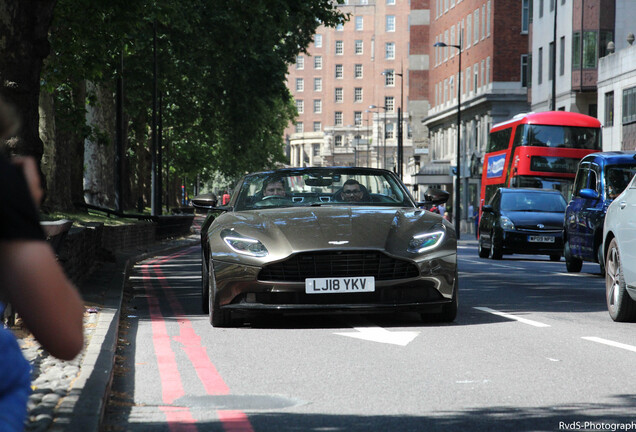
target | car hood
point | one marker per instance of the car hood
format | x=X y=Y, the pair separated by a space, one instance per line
x=284 y=231
x=530 y=220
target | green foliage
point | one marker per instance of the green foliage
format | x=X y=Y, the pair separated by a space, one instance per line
x=221 y=72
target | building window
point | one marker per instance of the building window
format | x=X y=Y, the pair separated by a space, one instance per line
x=390 y=2
x=468 y=78
x=476 y=26
x=357 y=71
x=540 y=67
x=300 y=106
x=337 y=119
x=562 y=56
x=389 y=103
x=483 y=21
x=609 y=108
x=525 y=16
x=389 y=50
x=524 y=70
x=299 y=127
x=390 y=23
x=476 y=77
x=551 y=61
x=317 y=84
x=488 y=19
x=357 y=118
x=318 y=41
x=389 y=78
x=540 y=8
x=590 y=49
x=357 y=94
x=629 y=105
x=359 y=47
x=339 y=70
x=389 y=131
x=340 y=27
x=317 y=106
x=338 y=94
x=318 y=62
x=300 y=84
x=300 y=62
x=469 y=20
x=338 y=140
x=339 y=47
x=315 y=148
x=359 y=23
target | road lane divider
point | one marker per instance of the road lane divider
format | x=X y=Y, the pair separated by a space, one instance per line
x=610 y=343
x=512 y=317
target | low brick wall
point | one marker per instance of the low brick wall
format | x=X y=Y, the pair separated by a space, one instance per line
x=85 y=246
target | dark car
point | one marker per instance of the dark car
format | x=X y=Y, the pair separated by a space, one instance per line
x=599 y=179
x=522 y=220
x=307 y=240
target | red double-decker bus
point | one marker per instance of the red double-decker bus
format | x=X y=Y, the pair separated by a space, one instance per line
x=539 y=150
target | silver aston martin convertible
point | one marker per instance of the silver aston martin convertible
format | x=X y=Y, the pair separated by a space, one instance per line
x=315 y=240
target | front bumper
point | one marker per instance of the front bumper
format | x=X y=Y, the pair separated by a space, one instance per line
x=238 y=288
x=518 y=242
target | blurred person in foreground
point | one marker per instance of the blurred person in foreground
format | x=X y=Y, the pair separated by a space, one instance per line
x=31 y=280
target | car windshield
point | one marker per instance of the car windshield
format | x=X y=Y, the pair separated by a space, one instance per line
x=533 y=202
x=321 y=186
x=618 y=177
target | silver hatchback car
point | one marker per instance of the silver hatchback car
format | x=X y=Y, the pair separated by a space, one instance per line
x=619 y=245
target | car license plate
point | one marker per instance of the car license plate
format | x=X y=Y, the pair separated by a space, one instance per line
x=541 y=239
x=339 y=285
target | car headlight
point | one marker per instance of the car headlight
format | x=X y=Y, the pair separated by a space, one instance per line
x=244 y=245
x=427 y=241
x=506 y=223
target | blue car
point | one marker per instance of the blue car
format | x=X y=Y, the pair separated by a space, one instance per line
x=599 y=179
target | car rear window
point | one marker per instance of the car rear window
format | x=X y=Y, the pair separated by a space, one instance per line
x=540 y=202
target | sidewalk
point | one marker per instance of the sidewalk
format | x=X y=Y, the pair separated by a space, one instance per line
x=71 y=396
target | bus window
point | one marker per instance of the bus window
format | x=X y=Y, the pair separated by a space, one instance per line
x=499 y=140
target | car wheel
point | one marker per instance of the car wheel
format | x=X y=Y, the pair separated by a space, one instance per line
x=496 y=252
x=572 y=264
x=555 y=257
x=218 y=317
x=620 y=305
x=600 y=258
x=481 y=250
x=205 y=285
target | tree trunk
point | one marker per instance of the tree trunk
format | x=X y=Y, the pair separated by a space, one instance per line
x=24 y=27
x=99 y=148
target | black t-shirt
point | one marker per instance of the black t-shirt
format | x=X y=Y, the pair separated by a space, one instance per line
x=19 y=219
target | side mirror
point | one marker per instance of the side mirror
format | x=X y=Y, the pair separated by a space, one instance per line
x=436 y=196
x=204 y=201
x=487 y=208
x=588 y=194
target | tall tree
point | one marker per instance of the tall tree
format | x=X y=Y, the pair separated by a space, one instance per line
x=24 y=27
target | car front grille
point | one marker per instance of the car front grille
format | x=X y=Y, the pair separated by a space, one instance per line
x=338 y=264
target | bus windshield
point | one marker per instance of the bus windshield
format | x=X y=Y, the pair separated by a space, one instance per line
x=562 y=136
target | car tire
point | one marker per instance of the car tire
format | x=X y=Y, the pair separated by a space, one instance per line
x=620 y=305
x=449 y=310
x=572 y=264
x=218 y=317
x=496 y=253
x=600 y=258
x=481 y=250
x=555 y=257
x=205 y=285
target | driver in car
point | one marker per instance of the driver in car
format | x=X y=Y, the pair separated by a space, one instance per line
x=353 y=191
x=274 y=187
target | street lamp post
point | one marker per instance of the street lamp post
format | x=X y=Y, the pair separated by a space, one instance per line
x=459 y=119
x=400 y=118
x=383 y=132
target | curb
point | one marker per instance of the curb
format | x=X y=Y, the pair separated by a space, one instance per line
x=84 y=406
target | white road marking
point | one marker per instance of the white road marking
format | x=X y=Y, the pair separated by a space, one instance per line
x=512 y=317
x=375 y=333
x=578 y=274
x=610 y=343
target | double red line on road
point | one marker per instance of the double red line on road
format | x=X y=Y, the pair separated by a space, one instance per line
x=180 y=418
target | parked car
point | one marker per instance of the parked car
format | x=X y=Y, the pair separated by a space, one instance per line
x=600 y=177
x=327 y=239
x=619 y=246
x=522 y=220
